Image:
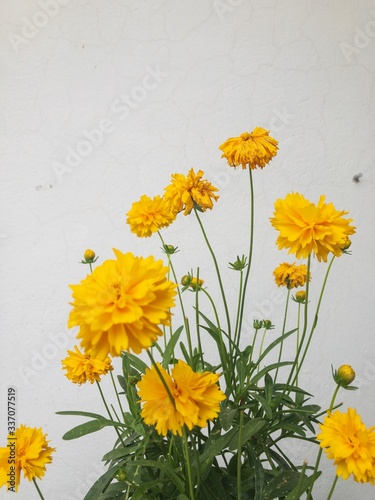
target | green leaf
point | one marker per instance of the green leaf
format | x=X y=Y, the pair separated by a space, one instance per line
x=274 y=344
x=248 y=430
x=226 y=417
x=214 y=446
x=83 y=429
x=180 y=485
x=266 y=407
x=267 y=369
x=81 y=414
x=282 y=484
x=259 y=480
x=168 y=353
x=100 y=484
x=303 y=486
x=296 y=429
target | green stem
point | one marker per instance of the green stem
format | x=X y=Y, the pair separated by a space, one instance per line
x=188 y=464
x=250 y=256
x=117 y=395
x=217 y=271
x=197 y=320
x=37 y=489
x=237 y=336
x=239 y=453
x=261 y=346
x=319 y=456
x=297 y=336
x=283 y=331
x=316 y=315
x=187 y=329
x=252 y=347
x=109 y=412
x=332 y=488
x=157 y=369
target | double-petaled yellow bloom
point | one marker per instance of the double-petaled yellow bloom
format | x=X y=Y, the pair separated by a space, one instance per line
x=195 y=398
x=121 y=305
x=186 y=190
x=290 y=275
x=81 y=368
x=148 y=215
x=27 y=451
x=255 y=149
x=306 y=228
x=349 y=444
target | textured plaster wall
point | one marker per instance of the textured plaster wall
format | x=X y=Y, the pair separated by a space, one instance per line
x=101 y=101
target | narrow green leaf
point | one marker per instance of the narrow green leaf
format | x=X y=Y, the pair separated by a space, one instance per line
x=100 y=484
x=180 y=485
x=83 y=429
x=81 y=414
x=302 y=487
x=168 y=353
x=267 y=369
x=282 y=484
x=248 y=430
x=266 y=407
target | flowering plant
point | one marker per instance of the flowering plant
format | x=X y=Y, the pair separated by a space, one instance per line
x=188 y=427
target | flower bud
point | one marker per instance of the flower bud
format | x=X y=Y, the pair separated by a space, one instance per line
x=257 y=324
x=170 y=249
x=267 y=324
x=344 y=375
x=186 y=280
x=300 y=296
x=346 y=244
x=89 y=256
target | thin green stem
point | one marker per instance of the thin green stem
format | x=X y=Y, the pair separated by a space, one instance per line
x=261 y=346
x=117 y=396
x=250 y=256
x=297 y=335
x=316 y=315
x=237 y=336
x=38 y=489
x=252 y=347
x=282 y=333
x=217 y=271
x=239 y=462
x=197 y=326
x=332 y=488
x=319 y=456
x=109 y=412
x=186 y=323
x=160 y=375
x=188 y=464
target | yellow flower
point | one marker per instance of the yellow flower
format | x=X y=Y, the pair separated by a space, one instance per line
x=185 y=191
x=196 y=398
x=148 y=215
x=350 y=444
x=28 y=451
x=120 y=305
x=81 y=368
x=255 y=149
x=290 y=275
x=306 y=228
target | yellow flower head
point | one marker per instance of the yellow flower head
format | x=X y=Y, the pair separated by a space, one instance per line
x=26 y=451
x=81 y=368
x=350 y=445
x=185 y=191
x=306 y=228
x=120 y=305
x=148 y=215
x=256 y=149
x=196 y=398
x=290 y=275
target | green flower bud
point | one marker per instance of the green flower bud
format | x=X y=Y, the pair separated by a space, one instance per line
x=257 y=324
x=300 y=296
x=344 y=376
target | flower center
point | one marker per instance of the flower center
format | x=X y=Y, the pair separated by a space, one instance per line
x=246 y=136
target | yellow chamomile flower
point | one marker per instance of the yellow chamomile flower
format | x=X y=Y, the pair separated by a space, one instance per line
x=195 y=398
x=290 y=275
x=185 y=191
x=27 y=451
x=350 y=445
x=81 y=368
x=255 y=149
x=121 y=305
x=306 y=228
x=148 y=215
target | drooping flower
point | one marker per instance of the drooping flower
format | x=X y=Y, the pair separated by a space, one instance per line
x=349 y=444
x=121 y=305
x=148 y=215
x=255 y=149
x=81 y=368
x=290 y=275
x=196 y=398
x=27 y=451
x=186 y=190
x=306 y=228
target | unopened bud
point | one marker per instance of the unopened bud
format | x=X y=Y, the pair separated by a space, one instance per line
x=344 y=375
x=89 y=255
x=300 y=296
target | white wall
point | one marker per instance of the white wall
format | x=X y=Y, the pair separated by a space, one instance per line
x=190 y=74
